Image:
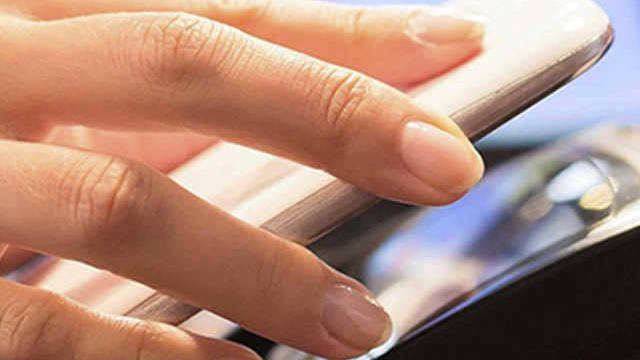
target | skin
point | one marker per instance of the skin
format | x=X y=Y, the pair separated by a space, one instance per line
x=170 y=77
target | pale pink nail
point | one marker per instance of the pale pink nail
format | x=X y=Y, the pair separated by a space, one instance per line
x=355 y=318
x=443 y=26
x=447 y=163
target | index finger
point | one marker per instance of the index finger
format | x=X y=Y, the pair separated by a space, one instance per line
x=174 y=71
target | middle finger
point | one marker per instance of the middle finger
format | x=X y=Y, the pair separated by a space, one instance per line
x=125 y=218
x=397 y=44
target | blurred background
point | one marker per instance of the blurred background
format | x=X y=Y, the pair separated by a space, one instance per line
x=610 y=92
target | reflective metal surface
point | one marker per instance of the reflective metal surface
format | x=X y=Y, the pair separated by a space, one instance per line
x=525 y=215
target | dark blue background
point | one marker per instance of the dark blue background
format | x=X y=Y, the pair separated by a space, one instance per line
x=608 y=92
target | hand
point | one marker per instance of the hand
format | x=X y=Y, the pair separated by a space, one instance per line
x=137 y=66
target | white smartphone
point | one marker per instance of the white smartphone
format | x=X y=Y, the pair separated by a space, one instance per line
x=533 y=47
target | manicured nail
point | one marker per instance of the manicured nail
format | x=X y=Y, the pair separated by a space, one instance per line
x=447 y=163
x=355 y=318
x=441 y=26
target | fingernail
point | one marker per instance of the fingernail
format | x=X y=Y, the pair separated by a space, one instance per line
x=442 y=26
x=355 y=318
x=447 y=163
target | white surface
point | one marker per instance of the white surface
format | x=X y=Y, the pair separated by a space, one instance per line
x=522 y=37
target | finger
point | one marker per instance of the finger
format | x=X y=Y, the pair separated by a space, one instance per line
x=125 y=218
x=156 y=68
x=35 y=325
x=400 y=45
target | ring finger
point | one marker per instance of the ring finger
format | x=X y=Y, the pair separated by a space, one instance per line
x=36 y=324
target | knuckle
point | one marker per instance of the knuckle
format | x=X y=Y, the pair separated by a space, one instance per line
x=241 y=13
x=273 y=270
x=150 y=339
x=35 y=328
x=346 y=95
x=106 y=196
x=177 y=49
x=355 y=26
